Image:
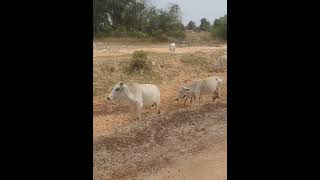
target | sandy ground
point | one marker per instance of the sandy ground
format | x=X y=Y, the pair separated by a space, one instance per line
x=207 y=165
x=183 y=142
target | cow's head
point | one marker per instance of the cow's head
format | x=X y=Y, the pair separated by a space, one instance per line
x=117 y=91
x=182 y=92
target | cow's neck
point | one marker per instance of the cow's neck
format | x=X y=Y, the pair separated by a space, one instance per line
x=129 y=95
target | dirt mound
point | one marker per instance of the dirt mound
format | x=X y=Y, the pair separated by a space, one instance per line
x=153 y=143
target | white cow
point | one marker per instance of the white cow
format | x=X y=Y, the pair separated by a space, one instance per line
x=137 y=95
x=208 y=86
x=172 y=48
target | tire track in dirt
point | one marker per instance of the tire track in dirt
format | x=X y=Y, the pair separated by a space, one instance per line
x=155 y=142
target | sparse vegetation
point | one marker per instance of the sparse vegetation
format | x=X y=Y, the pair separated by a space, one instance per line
x=193 y=59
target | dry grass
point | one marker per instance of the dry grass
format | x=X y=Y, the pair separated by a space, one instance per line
x=168 y=73
x=166 y=69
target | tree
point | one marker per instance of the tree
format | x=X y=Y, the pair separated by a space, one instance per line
x=205 y=25
x=135 y=18
x=99 y=15
x=175 y=12
x=160 y=23
x=191 y=25
x=220 y=28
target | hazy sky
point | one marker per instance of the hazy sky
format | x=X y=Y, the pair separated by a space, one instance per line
x=196 y=9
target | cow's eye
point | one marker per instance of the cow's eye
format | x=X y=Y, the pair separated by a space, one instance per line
x=117 y=89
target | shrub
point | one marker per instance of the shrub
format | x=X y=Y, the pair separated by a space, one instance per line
x=137 y=34
x=139 y=61
x=177 y=34
x=120 y=31
x=104 y=32
x=162 y=38
x=220 y=31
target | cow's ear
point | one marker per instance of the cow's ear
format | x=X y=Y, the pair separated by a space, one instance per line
x=121 y=84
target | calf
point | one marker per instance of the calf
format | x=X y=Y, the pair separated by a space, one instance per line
x=208 y=86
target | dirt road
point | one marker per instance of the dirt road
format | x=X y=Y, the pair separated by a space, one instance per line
x=209 y=164
x=122 y=50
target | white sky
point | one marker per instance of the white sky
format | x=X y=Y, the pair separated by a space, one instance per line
x=196 y=9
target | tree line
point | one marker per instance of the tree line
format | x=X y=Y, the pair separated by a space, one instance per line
x=136 y=18
x=218 y=28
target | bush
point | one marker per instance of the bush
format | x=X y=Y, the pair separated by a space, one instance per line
x=121 y=31
x=177 y=34
x=139 y=61
x=220 y=31
x=105 y=32
x=162 y=38
x=137 y=34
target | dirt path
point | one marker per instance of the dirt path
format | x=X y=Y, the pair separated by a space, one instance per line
x=207 y=165
x=119 y=51
x=173 y=142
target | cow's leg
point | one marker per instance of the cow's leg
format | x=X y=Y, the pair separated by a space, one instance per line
x=199 y=102
x=139 y=110
x=185 y=101
x=197 y=99
x=157 y=108
x=215 y=95
x=156 y=105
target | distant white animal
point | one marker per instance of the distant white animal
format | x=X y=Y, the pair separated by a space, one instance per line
x=220 y=63
x=210 y=85
x=172 y=48
x=137 y=95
